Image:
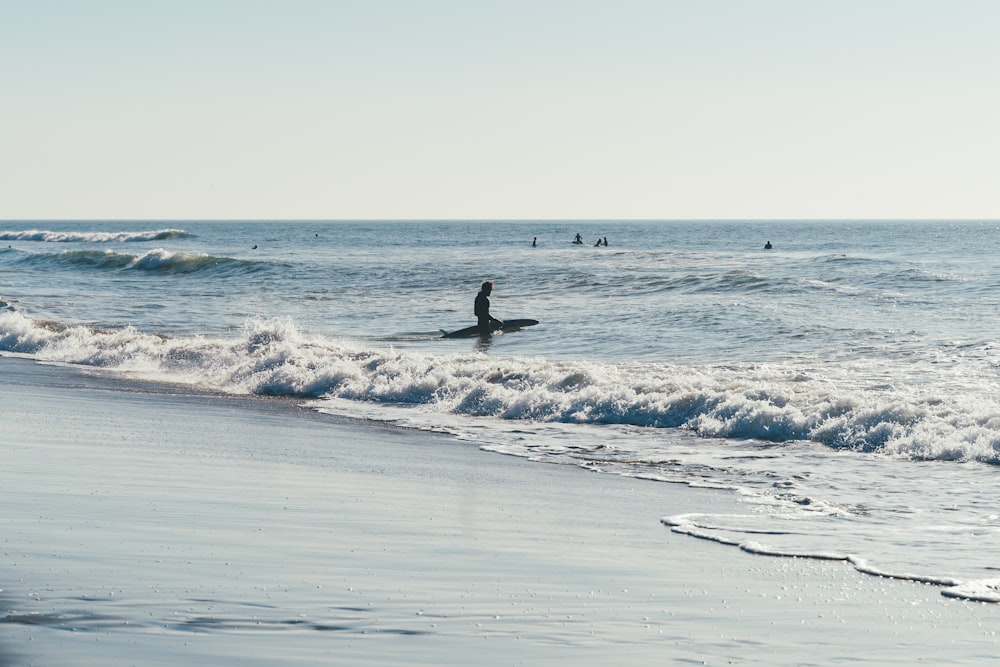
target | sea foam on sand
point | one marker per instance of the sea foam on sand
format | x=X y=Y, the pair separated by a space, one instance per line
x=145 y=525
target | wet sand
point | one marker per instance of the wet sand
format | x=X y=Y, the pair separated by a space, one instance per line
x=149 y=526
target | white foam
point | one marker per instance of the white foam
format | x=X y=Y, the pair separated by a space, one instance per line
x=701 y=526
x=769 y=403
x=981 y=590
x=90 y=237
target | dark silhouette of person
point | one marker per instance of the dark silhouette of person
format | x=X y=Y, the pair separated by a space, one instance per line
x=578 y=240
x=767 y=246
x=605 y=241
x=487 y=323
x=534 y=242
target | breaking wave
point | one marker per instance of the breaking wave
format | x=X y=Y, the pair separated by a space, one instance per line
x=92 y=237
x=771 y=403
x=158 y=260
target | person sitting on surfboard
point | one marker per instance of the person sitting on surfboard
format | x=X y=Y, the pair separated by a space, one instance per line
x=487 y=323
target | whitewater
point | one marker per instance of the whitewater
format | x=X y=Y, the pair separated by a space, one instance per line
x=843 y=384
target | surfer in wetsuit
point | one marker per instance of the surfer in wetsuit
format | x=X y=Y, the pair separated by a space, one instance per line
x=487 y=323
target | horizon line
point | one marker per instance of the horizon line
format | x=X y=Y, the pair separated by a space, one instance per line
x=487 y=220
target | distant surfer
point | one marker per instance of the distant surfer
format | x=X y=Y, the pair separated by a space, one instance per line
x=767 y=246
x=534 y=242
x=578 y=240
x=487 y=323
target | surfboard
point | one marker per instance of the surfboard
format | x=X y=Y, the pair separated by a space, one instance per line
x=508 y=325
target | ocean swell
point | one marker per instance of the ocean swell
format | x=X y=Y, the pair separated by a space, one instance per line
x=157 y=260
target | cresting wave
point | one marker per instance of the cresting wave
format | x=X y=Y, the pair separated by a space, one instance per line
x=92 y=237
x=157 y=260
x=772 y=403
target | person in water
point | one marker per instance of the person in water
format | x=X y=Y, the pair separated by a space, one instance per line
x=767 y=246
x=487 y=323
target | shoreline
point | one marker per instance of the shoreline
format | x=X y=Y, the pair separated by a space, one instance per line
x=157 y=526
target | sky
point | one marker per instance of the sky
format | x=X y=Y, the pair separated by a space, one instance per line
x=506 y=109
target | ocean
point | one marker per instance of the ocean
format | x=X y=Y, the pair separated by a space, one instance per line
x=842 y=384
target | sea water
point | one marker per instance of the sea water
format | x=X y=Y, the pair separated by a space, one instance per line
x=844 y=383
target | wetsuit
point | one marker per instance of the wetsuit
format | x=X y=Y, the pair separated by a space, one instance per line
x=483 y=314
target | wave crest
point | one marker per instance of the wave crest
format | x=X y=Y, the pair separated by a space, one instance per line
x=92 y=237
x=157 y=260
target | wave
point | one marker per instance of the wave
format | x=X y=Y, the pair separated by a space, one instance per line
x=706 y=527
x=92 y=237
x=153 y=261
x=775 y=404
x=737 y=280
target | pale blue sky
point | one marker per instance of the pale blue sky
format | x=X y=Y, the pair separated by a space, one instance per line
x=506 y=109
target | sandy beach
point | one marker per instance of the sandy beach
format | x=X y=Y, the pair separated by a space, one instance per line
x=144 y=525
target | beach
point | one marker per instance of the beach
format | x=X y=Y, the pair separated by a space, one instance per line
x=739 y=403
x=152 y=525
